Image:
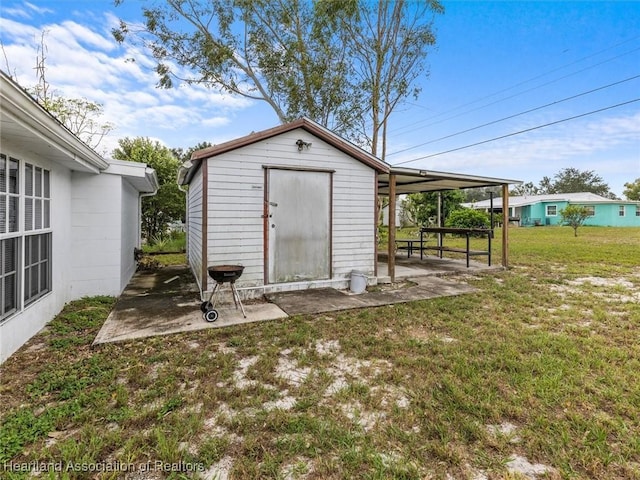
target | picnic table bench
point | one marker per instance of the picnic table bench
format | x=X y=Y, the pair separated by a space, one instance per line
x=407 y=244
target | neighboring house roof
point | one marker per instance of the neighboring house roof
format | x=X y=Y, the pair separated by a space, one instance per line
x=27 y=126
x=581 y=197
x=189 y=168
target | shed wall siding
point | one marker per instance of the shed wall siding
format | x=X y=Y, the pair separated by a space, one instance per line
x=194 y=221
x=236 y=195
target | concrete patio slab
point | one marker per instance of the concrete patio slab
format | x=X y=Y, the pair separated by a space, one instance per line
x=328 y=300
x=430 y=265
x=167 y=301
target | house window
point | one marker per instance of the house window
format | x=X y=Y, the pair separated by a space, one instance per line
x=621 y=211
x=37 y=270
x=25 y=239
x=9 y=194
x=552 y=210
x=637 y=210
x=591 y=210
x=9 y=249
x=36 y=201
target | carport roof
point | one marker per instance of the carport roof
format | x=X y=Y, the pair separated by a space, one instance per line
x=410 y=180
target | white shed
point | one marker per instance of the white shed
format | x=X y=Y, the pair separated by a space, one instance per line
x=295 y=205
x=69 y=219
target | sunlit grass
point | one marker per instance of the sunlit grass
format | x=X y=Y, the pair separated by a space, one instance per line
x=409 y=391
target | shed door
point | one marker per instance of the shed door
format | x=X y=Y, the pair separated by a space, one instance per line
x=298 y=225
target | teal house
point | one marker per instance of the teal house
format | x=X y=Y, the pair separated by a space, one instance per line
x=535 y=210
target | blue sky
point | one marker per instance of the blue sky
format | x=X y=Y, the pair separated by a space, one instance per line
x=492 y=60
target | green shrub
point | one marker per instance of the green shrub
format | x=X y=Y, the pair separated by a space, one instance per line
x=468 y=218
x=172 y=242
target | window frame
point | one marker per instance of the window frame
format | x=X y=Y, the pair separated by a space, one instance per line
x=35 y=263
x=8 y=310
x=622 y=211
x=31 y=182
x=555 y=210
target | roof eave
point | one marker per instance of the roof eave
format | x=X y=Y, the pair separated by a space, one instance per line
x=142 y=177
x=20 y=107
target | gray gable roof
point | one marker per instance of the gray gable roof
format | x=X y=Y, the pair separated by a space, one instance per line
x=521 y=201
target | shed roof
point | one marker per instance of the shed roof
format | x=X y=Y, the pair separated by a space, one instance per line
x=187 y=171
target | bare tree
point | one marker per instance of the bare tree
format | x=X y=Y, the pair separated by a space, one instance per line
x=79 y=115
x=287 y=53
x=389 y=43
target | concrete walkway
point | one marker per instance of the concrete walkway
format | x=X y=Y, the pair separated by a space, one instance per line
x=329 y=300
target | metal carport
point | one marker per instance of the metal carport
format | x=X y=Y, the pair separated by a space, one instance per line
x=408 y=180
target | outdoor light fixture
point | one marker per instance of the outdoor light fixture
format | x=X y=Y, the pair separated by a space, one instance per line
x=301 y=144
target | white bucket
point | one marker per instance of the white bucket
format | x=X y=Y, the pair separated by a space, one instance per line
x=358 y=282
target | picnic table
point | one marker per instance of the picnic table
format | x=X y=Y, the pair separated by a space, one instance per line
x=462 y=232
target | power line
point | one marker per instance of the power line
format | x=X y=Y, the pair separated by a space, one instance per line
x=519 y=132
x=402 y=129
x=515 y=115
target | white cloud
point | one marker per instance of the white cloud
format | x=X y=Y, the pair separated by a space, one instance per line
x=77 y=35
x=83 y=61
x=608 y=145
x=551 y=145
x=26 y=11
x=37 y=9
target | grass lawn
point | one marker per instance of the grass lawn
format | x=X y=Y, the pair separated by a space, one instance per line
x=537 y=374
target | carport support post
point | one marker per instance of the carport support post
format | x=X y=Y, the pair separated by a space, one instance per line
x=391 y=262
x=505 y=225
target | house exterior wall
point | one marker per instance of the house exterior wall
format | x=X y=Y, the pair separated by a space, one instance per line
x=236 y=195
x=94 y=228
x=23 y=324
x=96 y=240
x=606 y=214
x=130 y=239
x=609 y=215
x=194 y=230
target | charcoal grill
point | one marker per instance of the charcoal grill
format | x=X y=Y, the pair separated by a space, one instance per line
x=222 y=274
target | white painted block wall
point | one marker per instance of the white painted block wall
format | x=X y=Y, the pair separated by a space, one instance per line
x=130 y=239
x=19 y=328
x=96 y=235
